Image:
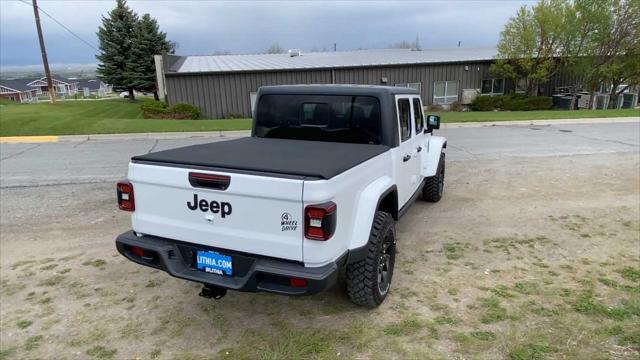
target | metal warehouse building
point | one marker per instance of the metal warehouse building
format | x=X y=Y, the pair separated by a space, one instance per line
x=225 y=85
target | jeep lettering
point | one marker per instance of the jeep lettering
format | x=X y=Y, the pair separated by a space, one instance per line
x=215 y=207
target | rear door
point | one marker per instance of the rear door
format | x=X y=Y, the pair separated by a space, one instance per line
x=420 y=136
x=406 y=159
x=250 y=213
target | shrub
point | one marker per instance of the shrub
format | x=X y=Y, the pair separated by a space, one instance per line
x=435 y=108
x=185 y=111
x=160 y=110
x=234 y=115
x=511 y=102
x=155 y=110
x=539 y=103
x=484 y=103
x=455 y=106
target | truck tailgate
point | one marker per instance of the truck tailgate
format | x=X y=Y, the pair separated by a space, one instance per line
x=255 y=214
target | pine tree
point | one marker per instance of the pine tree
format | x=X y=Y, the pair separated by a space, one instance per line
x=116 y=38
x=148 y=41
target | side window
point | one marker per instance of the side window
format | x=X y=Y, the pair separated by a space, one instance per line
x=404 y=113
x=418 y=116
x=417 y=86
x=445 y=92
x=314 y=114
x=492 y=87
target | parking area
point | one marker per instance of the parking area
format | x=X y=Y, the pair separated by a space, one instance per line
x=533 y=252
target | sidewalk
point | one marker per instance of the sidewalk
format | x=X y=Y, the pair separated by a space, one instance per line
x=240 y=133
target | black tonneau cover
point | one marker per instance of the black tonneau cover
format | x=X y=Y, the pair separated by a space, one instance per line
x=315 y=159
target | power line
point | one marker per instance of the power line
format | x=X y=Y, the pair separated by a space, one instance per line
x=63 y=26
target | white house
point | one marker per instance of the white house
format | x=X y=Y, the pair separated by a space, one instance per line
x=64 y=87
x=94 y=86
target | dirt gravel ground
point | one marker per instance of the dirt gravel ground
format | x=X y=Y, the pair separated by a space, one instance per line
x=524 y=258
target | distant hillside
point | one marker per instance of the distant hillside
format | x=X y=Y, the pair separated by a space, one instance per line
x=35 y=71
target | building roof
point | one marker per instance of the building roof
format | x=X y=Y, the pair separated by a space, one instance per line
x=337 y=89
x=17 y=84
x=43 y=81
x=92 y=84
x=334 y=59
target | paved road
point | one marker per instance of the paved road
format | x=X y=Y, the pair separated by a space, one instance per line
x=106 y=160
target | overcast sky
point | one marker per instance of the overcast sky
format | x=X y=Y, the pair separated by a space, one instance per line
x=207 y=27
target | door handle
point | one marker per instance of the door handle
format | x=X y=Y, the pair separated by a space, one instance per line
x=406 y=158
x=419 y=148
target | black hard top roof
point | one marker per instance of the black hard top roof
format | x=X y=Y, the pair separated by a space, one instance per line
x=338 y=89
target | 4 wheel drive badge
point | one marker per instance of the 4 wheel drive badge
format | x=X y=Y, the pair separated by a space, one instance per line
x=287 y=222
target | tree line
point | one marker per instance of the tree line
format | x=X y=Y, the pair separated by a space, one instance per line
x=597 y=41
x=127 y=45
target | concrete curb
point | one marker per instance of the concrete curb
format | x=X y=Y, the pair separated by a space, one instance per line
x=241 y=133
x=28 y=139
x=630 y=119
x=156 y=136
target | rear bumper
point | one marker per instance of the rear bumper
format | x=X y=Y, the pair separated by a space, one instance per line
x=251 y=273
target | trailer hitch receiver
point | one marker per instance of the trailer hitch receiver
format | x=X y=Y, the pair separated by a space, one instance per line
x=213 y=292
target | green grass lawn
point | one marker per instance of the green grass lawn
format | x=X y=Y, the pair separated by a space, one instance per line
x=122 y=116
x=97 y=117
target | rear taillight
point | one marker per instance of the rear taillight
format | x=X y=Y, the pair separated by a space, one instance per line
x=137 y=251
x=126 y=201
x=297 y=282
x=320 y=221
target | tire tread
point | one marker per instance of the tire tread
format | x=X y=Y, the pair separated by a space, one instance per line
x=430 y=189
x=361 y=276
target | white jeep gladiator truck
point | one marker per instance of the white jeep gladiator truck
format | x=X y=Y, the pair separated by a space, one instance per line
x=313 y=194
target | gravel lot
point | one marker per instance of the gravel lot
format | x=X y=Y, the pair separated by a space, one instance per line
x=525 y=257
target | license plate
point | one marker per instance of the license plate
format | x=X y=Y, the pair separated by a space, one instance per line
x=215 y=263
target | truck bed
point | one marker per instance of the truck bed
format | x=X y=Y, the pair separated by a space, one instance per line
x=305 y=159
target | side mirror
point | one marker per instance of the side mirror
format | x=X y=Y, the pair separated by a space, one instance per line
x=433 y=122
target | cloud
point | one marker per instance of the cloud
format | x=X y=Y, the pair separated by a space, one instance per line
x=205 y=27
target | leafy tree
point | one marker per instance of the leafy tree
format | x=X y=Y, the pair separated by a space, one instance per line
x=148 y=41
x=611 y=55
x=597 y=40
x=116 y=40
x=404 y=44
x=535 y=43
x=275 y=49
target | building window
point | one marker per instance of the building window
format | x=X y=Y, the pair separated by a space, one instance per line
x=445 y=92
x=417 y=86
x=492 y=87
x=404 y=113
x=521 y=86
x=417 y=115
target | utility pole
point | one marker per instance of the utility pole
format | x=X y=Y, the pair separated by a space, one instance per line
x=47 y=73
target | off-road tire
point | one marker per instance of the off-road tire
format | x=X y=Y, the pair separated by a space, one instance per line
x=362 y=277
x=434 y=185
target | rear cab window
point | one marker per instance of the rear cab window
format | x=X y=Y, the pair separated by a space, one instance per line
x=418 y=115
x=348 y=119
